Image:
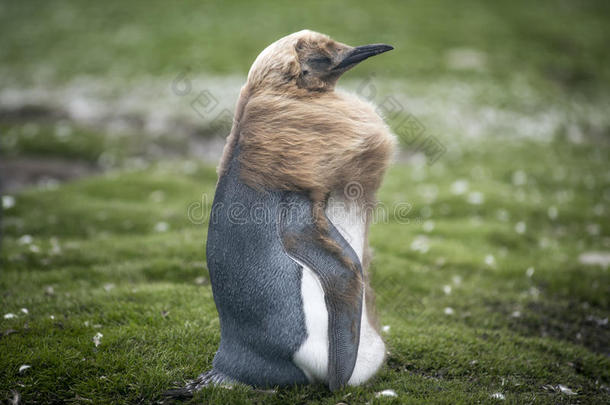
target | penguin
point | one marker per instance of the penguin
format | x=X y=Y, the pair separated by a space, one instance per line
x=287 y=244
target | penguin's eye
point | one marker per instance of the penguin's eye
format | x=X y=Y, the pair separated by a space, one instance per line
x=319 y=62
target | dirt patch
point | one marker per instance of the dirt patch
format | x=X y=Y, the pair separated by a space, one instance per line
x=203 y=142
x=22 y=171
x=570 y=321
x=28 y=113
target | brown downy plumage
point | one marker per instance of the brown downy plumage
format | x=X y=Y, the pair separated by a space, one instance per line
x=296 y=133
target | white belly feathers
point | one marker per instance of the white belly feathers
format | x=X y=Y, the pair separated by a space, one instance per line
x=312 y=356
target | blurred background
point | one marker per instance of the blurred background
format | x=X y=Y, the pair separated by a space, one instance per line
x=492 y=278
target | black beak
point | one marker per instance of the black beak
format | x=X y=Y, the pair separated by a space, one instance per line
x=360 y=53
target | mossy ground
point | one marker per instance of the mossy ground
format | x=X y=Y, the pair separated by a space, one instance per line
x=114 y=270
x=477 y=257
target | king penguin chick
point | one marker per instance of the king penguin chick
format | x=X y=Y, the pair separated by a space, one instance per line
x=287 y=245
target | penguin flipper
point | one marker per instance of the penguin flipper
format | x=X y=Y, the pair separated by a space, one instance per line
x=343 y=287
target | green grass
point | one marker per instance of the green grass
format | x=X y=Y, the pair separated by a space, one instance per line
x=66 y=141
x=50 y=40
x=94 y=242
x=61 y=140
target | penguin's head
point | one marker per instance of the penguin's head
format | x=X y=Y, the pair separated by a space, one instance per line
x=307 y=61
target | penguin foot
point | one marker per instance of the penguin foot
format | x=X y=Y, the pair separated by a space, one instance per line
x=209 y=378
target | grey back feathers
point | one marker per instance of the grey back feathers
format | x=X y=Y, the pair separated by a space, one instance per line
x=254 y=284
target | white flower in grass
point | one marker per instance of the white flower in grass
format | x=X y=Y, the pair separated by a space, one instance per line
x=23 y=367
x=8 y=201
x=97 y=339
x=490 y=260
x=10 y=316
x=63 y=131
x=565 y=390
x=25 y=240
x=529 y=272
x=552 y=212
x=386 y=393
x=55 y=248
x=428 y=226
x=25 y=311
x=459 y=187
x=595 y=259
x=385 y=328
x=520 y=227
x=448 y=311
x=420 y=244
x=447 y=289
x=476 y=198
x=498 y=395
x=161 y=227
x=201 y=280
